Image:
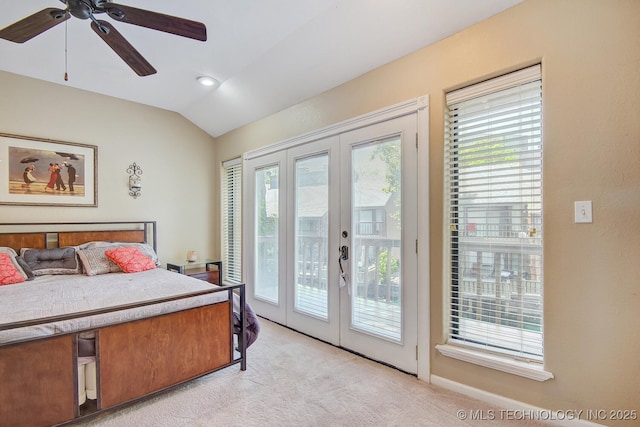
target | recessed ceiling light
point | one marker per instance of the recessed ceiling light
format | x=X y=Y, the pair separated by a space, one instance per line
x=207 y=81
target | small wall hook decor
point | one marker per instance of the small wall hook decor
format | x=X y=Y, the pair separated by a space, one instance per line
x=135 y=182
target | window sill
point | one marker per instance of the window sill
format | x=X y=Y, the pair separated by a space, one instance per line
x=525 y=369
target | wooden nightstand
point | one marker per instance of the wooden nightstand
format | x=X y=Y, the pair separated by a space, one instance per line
x=203 y=270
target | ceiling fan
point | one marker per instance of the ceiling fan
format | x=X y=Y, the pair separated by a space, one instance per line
x=29 y=27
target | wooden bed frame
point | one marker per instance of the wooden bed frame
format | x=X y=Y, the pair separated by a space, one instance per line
x=134 y=360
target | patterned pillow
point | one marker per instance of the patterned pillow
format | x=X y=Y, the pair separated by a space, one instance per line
x=146 y=250
x=95 y=261
x=9 y=274
x=12 y=254
x=130 y=259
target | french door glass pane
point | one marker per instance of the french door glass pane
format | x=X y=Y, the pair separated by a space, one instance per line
x=312 y=209
x=266 y=205
x=377 y=232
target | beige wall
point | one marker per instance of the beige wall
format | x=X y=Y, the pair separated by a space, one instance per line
x=176 y=157
x=590 y=56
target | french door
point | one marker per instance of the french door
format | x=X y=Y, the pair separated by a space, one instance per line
x=333 y=239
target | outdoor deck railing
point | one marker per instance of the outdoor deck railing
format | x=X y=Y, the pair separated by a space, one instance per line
x=505 y=289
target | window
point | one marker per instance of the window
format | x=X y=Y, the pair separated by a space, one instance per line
x=232 y=220
x=371 y=222
x=493 y=163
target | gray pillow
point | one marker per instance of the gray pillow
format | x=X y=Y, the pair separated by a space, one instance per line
x=52 y=261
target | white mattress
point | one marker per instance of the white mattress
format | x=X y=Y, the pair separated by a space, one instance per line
x=48 y=296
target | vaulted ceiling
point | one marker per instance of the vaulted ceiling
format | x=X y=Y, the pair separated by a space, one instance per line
x=266 y=54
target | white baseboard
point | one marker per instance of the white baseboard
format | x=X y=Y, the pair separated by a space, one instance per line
x=569 y=418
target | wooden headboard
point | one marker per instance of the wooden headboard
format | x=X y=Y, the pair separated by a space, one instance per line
x=24 y=240
x=51 y=235
x=74 y=238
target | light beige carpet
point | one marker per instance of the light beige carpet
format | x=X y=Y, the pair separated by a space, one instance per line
x=294 y=380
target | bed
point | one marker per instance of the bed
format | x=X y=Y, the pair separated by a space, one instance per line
x=95 y=324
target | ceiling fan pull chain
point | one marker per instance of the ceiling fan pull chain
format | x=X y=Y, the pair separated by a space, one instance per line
x=66 y=30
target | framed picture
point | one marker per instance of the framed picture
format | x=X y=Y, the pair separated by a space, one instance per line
x=45 y=172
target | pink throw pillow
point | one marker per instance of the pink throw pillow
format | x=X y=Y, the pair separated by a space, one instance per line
x=130 y=259
x=9 y=274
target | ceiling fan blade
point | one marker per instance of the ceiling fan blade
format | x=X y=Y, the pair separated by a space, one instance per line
x=157 y=21
x=31 y=26
x=123 y=48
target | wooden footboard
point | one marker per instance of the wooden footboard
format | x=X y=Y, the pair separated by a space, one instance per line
x=39 y=378
x=38 y=382
x=145 y=356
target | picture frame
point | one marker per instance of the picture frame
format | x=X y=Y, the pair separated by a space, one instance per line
x=46 y=172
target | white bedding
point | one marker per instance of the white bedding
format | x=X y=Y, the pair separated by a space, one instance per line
x=47 y=296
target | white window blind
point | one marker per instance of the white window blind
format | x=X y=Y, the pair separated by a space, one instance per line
x=232 y=220
x=493 y=165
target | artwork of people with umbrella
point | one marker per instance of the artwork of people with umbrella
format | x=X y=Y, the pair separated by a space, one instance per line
x=33 y=171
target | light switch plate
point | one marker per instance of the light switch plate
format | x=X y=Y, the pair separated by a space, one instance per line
x=583 y=212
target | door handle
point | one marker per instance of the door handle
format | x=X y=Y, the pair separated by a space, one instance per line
x=344 y=281
x=344 y=252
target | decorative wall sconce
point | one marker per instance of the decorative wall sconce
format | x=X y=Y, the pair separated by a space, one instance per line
x=135 y=182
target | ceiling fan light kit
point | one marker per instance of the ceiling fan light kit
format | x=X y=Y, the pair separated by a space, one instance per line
x=33 y=25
